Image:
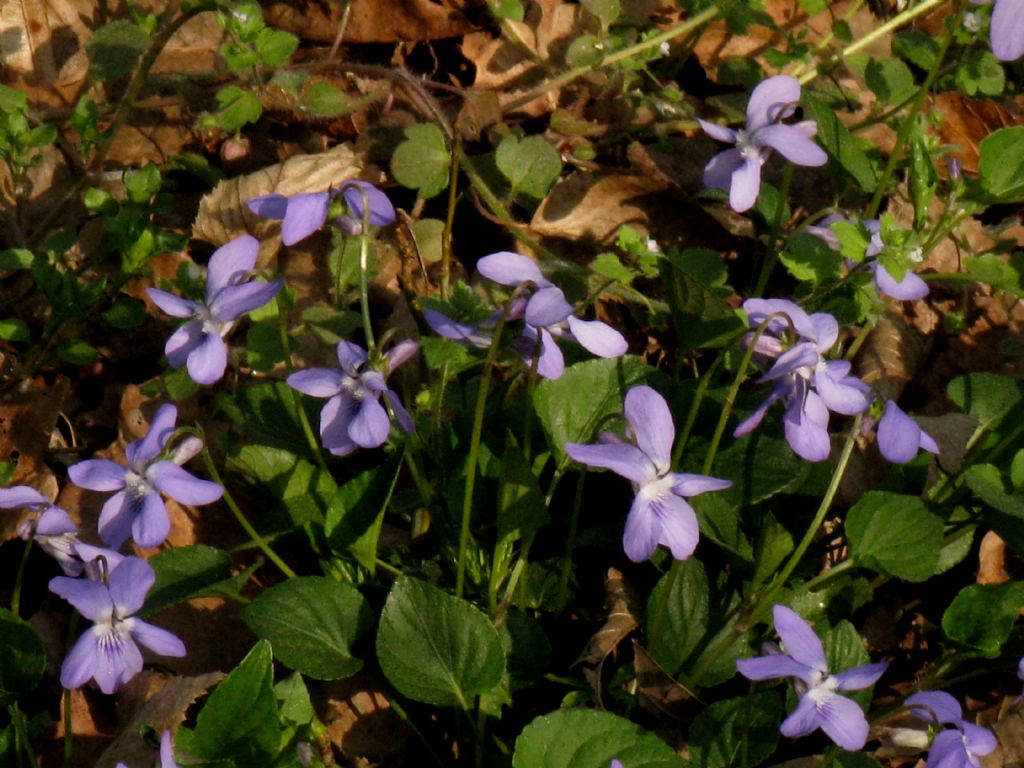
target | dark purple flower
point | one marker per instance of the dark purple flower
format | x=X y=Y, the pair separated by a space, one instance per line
x=137 y=508
x=820 y=706
x=899 y=437
x=199 y=343
x=305 y=213
x=1007 y=28
x=958 y=747
x=108 y=652
x=739 y=169
x=353 y=416
x=803 y=380
x=53 y=529
x=660 y=513
x=547 y=315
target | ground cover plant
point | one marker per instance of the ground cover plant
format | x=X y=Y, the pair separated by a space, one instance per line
x=530 y=383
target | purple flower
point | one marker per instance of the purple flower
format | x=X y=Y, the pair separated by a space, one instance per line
x=615 y=764
x=305 y=213
x=108 y=652
x=809 y=385
x=899 y=437
x=547 y=315
x=820 y=706
x=473 y=334
x=166 y=753
x=53 y=530
x=353 y=416
x=739 y=169
x=137 y=508
x=957 y=747
x=660 y=513
x=1007 y=28
x=199 y=343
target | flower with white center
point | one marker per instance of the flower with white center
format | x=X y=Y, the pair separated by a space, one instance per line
x=958 y=747
x=53 y=529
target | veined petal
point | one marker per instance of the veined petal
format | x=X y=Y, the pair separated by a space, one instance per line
x=746 y=184
x=170 y=479
x=547 y=307
x=640 y=538
x=782 y=312
x=175 y=306
x=678 y=523
x=802 y=720
x=799 y=638
x=688 y=485
x=773 y=666
x=806 y=427
x=351 y=357
x=910 y=288
x=231 y=263
x=781 y=389
x=91 y=556
x=597 y=337
x=858 y=678
x=317 y=382
x=826 y=331
x=90 y=598
x=181 y=343
x=623 y=459
x=116 y=517
x=80 y=662
x=650 y=419
x=1007 y=30
x=551 y=364
x=934 y=707
x=19 y=496
x=720 y=168
x=370 y=425
x=206 y=363
x=334 y=420
x=792 y=144
x=118 y=660
x=382 y=212
x=234 y=301
x=55 y=522
x=843 y=722
x=305 y=215
x=802 y=356
x=928 y=443
x=772 y=100
x=97 y=475
x=161 y=426
x=508 y=268
x=718 y=132
x=129 y=582
x=166 y=751
x=443 y=325
x=948 y=750
x=151 y=524
x=839 y=393
x=157 y=640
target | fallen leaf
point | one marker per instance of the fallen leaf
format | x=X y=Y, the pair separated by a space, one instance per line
x=657 y=691
x=992 y=560
x=370 y=21
x=622 y=606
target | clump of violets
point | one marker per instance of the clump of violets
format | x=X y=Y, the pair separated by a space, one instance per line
x=303 y=214
x=108 y=652
x=660 y=513
x=1006 y=29
x=353 y=416
x=802 y=379
x=900 y=438
x=802 y=659
x=230 y=293
x=50 y=526
x=137 y=508
x=739 y=169
x=961 y=746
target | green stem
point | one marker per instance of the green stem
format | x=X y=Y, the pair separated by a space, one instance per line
x=16 y=596
x=449 y=220
x=364 y=279
x=24 y=744
x=253 y=534
x=691 y=415
x=307 y=428
x=570 y=544
x=772 y=256
x=730 y=399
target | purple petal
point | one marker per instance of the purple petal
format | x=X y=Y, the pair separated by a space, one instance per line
x=234 y=301
x=650 y=419
x=22 y=496
x=806 y=427
x=118 y=661
x=97 y=475
x=773 y=666
x=401 y=415
x=790 y=142
x=753 y=421
x=858 y=678
x=508 y=268
x=351 y=357
x=720 y=168
x=90 y=598
x=910 y=288
x=547 y=307
x=443 y=325
x=181 y=343
x=718 y=132
x=802 y=356
x=334 y=420
x=934 y=707
x=802 y=720
x=1007 y=30
x=799 y=638
x=899 y=437
x=597 y=338
x=623 y=459
x=948 y=750
x=688 y=485
x=978 y=740
x=759 y=310
x=129 y=583
x=80 y=662
x=230 y=264
x=400 y=353
x=206 y=363
x=844 y=722
x=928 y=443
x=772 y=100
x=90 y=557
x=840 y=393
x=175 y=306
x=551 y=364
x=678 y=523
x=640 y=537
x=370 y=426
x=382 y=212
x=157 y=640
x=269 y=206
x=116 y=517
x=826 y=331
x=166 y=750
x=305 y=215
x=151 y=523
x=170 y=479
x=317 y=382
x=141 y=451
x=746 y=184
x=55 y=522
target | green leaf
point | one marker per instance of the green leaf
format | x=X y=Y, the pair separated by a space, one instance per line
x=917 y=47
x=275 y=46
x=16 y=258
x=895 y=534
x=572 y=406
x=531 y=165
x=677 y=615
x=13 y=329
x=700 y=314
x=1001 y=164
x=325 y=100
x=836 y=139
x=991 y=268
x=115 y=48
x=512 y=10
x=853 y=238
x=77 y=352
x=584 y=51
x=293 y=699
x=890 y=79
x=239 y=721
x=844 y=649
x=237 y=108
x=980 y=73
x=988 y=396
x=263 y=348
x=312 y=623
x=760 y=467
x=813 y=7
x=587 y=738
x=436 y=648
x=140 y=185
x=1004 y=511
x=736 y=732
x=608 y=265
x=267 y=414
x=422 y=161
x=606 y=11
x=809 y=258
x=185 y=572
x=22 y=658
x=12 y=100
x=358 y=503
x=125 y=313
x=305 y=491
x=982 y=615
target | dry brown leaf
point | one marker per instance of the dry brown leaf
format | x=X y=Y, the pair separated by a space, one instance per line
x=371 y=21
x=622 y=606
x=657 y=691
x=992 y=560
x=891 y=356
x=223 y=214
x=966 y=121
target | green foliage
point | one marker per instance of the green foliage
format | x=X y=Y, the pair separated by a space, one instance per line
x=302 y=489
x=1001 y=164
x=980 y=73
x=1002 y=510
x=422 y=160
x=530 y=164
x=890 y=79
x=895 y=534
x=325 y=100
x=841 y=146
x=115 y=49
x=356 y=510
x=183 y=573
x=22 y=658
x=237 y=107
x=982 y=615
x=733 y=733
x=809 y=258
x=694 y=280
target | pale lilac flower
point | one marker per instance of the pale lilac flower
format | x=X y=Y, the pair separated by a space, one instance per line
x=739 y=169
x=615 y=764
x=547 y=315
x=137 y=508
x=353 y=416
x=660 y=513
x=1006 y=29
x=472 y=334
x=53 y=529
x=230 y=293
x=958 y=747
x=899 y=436
x=809 y=385
x=108 y=652
x=820 y=706
x=305 y=213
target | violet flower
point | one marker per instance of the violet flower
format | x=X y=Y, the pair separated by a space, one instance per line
x=660 y=513
x=305 y=213
x=108 y=652
x=230 y=293
x=957 y=747
x=739 y=169
x=803 y=380
x=53 y=529
x=547 y=315
x=899 y=436
x=473 y=334
x=353 y=416
x=137 y=508
x=820 y=706
x=1006 y=28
